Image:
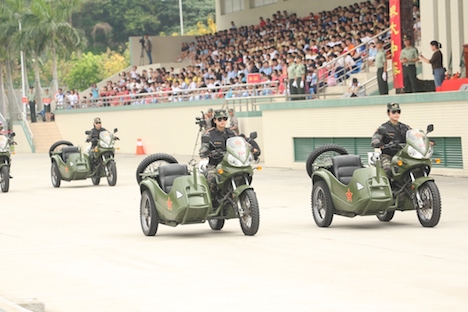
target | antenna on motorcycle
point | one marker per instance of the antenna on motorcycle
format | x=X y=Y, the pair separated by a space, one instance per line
x=430 y=128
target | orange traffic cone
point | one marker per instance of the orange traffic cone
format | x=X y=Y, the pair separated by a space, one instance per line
x=139 y=148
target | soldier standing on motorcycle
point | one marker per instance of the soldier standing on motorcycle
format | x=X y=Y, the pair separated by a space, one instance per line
x=215 y=149
x=396 y=134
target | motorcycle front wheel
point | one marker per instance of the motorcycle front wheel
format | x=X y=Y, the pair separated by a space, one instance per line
x=4 y=179
x=249 y=214
x=148 y=215
x=322 y=204
x=429 y=213
x=55 y=175
x=111 y=172
x=216 y=224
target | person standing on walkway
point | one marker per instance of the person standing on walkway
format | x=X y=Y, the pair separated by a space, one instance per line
x=299 y=77
x=46 y=101
x=148 y=48
x=32 y=104
x=381 y=65
x=437 y=63
x=409 y=57
x=291 y=74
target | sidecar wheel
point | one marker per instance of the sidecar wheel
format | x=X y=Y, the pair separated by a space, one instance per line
x=148 y=215
x=322 y=155
x=57 y=146
x=96 y=180
x=216 y=224
x=429 y=215
x=386 y=216
x=152 y=163
x=55 y=175
x=111 y=173
x=249 y=214
x=5 y=179
x=322 y=204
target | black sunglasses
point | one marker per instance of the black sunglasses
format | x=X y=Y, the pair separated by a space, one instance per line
x=222 y=118
x=98 y=123
x=396 y=111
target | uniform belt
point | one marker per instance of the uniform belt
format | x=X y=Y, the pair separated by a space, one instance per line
x=409 y=65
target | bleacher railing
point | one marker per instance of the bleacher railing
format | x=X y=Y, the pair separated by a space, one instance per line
x=250 y=92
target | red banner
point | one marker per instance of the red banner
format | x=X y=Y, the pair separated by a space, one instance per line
x=24 y=100
x=395 y=28
x=254 y=78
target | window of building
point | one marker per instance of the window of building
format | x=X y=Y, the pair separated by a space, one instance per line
x=259 y=3
x=231 y=6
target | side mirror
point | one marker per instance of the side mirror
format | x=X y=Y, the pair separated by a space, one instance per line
x=430 y=128
x=12 y=134
x=115 y=130
x=382 y=130
x=253 y=135
x=87 y=132
x=205 y=139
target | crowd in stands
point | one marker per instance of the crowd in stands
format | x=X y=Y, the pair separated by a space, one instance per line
x=225 y=59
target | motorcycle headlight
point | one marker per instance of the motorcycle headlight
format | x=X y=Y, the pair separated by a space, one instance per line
x=236 y=162
x=412 y=152
x=105 y=145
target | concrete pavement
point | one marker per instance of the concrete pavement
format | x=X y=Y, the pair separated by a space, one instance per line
x=81 y=248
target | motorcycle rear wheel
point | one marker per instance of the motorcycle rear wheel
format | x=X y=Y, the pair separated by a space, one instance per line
x=249 y=218
x=149 y=219
x=321 y=157
x=55 y=174
x=152 y=163
x=322 y=204
x=5 y=179
x=57 y=146
x=96 y=180
x=111 y=173
x=216 y=224
x=429 y=214
x=386 y=216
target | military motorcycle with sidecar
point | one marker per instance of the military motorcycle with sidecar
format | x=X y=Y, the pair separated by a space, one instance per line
x=5 y=142
x=343 y=186
x=71 y=163
x=172 y=195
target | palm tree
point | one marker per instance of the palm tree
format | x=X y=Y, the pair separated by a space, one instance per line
x=10 y=14
x=47 y=29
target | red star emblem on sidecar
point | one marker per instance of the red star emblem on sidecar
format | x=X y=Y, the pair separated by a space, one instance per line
x=349 y=195
x=169 y=204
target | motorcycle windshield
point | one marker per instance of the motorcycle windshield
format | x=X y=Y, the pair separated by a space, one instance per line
x=106 y=138
x=418 y=140
x=238 y=147
x=3 y=143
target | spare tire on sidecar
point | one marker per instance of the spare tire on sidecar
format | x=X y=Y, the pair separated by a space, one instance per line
x=343 y=186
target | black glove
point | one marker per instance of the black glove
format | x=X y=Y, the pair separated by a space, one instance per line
x=217 y=154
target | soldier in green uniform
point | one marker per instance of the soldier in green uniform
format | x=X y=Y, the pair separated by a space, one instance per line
x=381 y=65
x=291 y=74
x=396 y=134
x=408 y=57
x=215 y=149
x=299 y=76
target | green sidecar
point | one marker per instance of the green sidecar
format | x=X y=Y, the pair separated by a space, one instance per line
x=342 y=185
x=172 y=195
x=69 y=163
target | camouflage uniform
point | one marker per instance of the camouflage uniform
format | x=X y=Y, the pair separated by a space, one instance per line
x=396 y=133
x=215 y=150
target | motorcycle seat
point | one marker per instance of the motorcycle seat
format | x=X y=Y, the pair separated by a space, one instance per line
x=67 y=151
x=168 y=173
x=344 y=167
